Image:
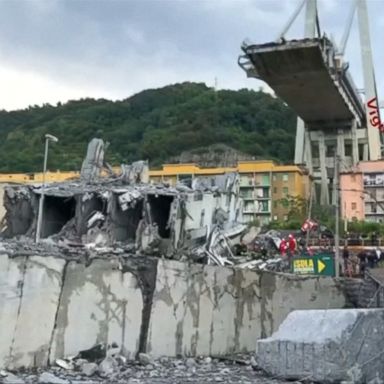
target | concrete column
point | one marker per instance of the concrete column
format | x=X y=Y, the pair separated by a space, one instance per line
x=365 y=152
x=355 y=147
x=299 y=145
x=324 y=194
x=308 y=151
x=340 y=149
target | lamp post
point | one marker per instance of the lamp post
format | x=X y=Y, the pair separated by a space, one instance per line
x=54 y=139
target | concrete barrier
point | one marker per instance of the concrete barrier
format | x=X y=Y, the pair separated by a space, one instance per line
x=30 y=290
x=200 y=310
x=51 y=308
x=327 y=346
x=203 y=310
x=99 y=305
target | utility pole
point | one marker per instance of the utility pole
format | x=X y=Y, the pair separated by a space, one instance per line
x=309 y=211
x=337 y=215
x=54 y=139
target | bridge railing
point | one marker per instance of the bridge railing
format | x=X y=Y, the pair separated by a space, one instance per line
x=347 y=242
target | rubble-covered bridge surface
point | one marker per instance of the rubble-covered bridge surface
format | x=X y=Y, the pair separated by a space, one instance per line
x=52 y=307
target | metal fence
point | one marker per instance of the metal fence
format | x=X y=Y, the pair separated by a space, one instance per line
x=346 y=242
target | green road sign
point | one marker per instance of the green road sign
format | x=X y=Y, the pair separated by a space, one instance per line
x=322 y=264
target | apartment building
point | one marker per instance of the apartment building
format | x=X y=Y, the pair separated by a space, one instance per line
x=373 y=185
x=264 y=185
x=352 y=196
x=362 y=192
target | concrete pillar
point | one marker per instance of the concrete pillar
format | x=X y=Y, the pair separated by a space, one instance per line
x=299 y=145
x=355 y=147
x=365 y=152
x=340 y=149
x=308 y=151
x=324 y=194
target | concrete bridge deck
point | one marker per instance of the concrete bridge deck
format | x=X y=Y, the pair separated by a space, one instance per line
x=307 y=76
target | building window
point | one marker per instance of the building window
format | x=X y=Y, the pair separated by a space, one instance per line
x=274 y=190
x=330 y=151
x=285 y=177
x=285 y=191
x=348 y=149
x=265 y=179
x=285 y=217
x=264 y=206
x=274 y=177
x=353 y=206
x=274 y=217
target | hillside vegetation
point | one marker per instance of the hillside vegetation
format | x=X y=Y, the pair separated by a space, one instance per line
x=154 y=124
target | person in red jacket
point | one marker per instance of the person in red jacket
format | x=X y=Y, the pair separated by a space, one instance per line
x=283 y=247
x=291 y=245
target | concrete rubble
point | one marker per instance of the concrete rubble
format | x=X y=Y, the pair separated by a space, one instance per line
x=230 y=369
x=125 y=212
x=327 y=346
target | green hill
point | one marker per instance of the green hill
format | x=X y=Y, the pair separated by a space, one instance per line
x=154 y=124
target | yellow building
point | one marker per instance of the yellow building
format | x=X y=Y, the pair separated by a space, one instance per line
x=263 y=185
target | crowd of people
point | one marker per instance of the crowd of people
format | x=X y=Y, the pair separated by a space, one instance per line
x=288 y=246
x=356 y=264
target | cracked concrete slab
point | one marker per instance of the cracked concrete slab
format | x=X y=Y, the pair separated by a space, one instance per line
x=109 y=304
x=206 y=310
x=11 y=288
x=283 y=293
x=39 y=303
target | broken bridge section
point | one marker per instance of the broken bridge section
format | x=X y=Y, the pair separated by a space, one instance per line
x=53 y=306
x=305 y=74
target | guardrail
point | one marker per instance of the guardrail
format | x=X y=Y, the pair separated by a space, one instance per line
x=347 y=242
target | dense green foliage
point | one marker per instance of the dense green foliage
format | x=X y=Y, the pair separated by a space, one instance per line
x=153 y=124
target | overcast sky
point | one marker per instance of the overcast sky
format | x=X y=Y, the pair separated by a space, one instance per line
x=55 y=50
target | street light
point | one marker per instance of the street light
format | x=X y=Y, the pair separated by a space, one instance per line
x=54 y=139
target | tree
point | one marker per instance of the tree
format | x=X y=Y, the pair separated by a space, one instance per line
x=297 y=207
x=155 y=124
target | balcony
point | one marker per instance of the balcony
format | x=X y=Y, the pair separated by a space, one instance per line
x=254 y=212
x=250 y=198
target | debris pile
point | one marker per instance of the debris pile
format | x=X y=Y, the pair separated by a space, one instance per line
x=125 y=212
x=111 y=367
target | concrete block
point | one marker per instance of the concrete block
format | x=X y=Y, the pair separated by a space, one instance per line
x=168 y=309
x=283 y=293
x=326 y=346
x=99 y=304
x=203 y=310
x=36 y=319
x=11 y=287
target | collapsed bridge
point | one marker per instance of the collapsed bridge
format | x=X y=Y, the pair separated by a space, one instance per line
x=311 y=76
